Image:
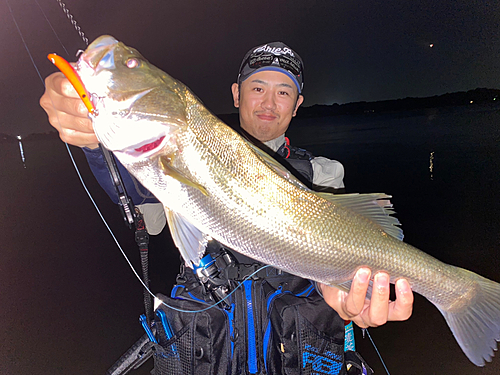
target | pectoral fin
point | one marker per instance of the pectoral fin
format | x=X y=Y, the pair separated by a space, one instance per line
x=170 y=170
x=190 y=241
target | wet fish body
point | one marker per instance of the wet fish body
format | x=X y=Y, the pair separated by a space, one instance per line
x=214 y=183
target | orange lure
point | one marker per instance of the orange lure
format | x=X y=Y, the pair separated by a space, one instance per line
x=66 y=69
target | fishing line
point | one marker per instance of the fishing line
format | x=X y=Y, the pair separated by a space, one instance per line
x=222 y=300
x=69 y=151
x=24 y=42
x=54 y=31
x=365 y=331
x=376 y=349
x=85 y=40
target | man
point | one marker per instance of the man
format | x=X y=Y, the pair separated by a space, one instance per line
x=268 y=94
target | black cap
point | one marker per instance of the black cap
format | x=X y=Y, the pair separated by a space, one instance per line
x=276 y=56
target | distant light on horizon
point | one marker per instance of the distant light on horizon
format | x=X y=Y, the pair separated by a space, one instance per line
x=431 y=45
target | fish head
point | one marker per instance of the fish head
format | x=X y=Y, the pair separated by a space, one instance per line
x=139 y=108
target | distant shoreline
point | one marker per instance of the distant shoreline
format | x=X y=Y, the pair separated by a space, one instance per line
x=480 y=97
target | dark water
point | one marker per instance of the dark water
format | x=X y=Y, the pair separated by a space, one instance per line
x=69 y=304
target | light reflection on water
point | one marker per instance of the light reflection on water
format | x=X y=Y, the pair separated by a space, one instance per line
x=431 y=165
x=21 y=150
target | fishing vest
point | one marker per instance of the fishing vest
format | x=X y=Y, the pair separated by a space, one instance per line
x=298 y=159
x=233 y=316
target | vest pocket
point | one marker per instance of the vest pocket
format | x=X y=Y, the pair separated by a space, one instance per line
x=307 y=337
x=200 y=341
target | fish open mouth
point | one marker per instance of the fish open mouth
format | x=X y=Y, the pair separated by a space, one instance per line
x=150 y=146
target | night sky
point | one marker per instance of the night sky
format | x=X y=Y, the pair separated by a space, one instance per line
x=353 y=50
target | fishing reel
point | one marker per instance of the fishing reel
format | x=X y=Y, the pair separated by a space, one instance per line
x=213 y=280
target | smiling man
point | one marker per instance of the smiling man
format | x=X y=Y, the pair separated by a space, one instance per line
x=268 y=93
x=270 y=102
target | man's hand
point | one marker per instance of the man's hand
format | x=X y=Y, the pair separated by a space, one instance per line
x=377 y=311
x=67 y=113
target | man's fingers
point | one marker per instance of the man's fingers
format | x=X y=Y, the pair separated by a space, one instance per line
x=75 y=107
x=355 y=300
x=375 y=311
x=402 y=308
x=379 y=305
x=60 y=85
x=334 y=297
x=74 y=137
x=67 y=122
x=62 y=103
x=67 y=113
x=60 y=95
x=67 y=89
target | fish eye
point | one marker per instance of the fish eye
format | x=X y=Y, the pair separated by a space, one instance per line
x=132 y=63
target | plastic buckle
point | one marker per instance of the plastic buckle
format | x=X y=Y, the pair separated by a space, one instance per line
x=146 y=327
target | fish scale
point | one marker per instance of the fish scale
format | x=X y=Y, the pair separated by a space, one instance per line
x=214 y=183
x=373 y=246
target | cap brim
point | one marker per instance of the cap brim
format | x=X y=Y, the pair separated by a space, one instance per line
x=274 y=69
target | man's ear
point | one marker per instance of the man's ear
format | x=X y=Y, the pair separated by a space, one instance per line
x=236 y=95
x=300 y=99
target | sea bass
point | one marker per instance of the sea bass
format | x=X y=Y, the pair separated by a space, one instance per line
x=213 y=183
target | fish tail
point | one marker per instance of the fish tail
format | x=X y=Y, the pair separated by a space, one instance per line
x=476 y=327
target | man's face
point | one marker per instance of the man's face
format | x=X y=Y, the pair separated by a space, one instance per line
x=267 y=101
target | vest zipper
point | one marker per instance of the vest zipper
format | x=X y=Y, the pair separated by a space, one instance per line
x=252 y=345
x=230 y=315
x=267 y=334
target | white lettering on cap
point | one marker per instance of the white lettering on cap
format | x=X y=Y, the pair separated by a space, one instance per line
x=274 y=50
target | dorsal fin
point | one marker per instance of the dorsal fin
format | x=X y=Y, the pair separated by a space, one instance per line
x=375 y=207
